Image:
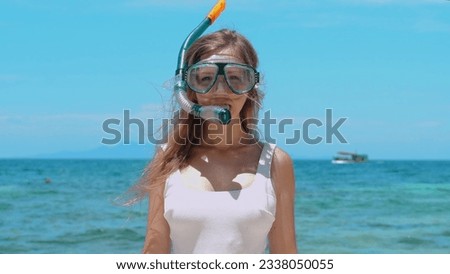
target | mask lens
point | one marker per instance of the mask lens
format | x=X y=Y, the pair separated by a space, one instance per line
x=201 y=77
x=240 y=78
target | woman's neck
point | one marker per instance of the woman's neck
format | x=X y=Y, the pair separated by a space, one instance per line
x=223 y=136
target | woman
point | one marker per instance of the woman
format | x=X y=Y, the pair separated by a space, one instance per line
x=216 y=188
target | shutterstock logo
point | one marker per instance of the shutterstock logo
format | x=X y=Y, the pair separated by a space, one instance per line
x=272 y=130
x=304 y=133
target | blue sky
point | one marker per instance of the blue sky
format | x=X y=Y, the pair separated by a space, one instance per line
x=67 y=66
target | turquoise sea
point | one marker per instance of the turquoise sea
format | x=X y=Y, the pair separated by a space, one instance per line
x=67 y=206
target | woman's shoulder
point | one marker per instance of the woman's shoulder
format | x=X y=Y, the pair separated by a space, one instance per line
x=282 y=169
x=281 y=157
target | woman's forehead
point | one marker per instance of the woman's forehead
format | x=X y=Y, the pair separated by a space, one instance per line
x=222 y=59
x=226 y=55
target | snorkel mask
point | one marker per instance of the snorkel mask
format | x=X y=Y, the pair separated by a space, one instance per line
x=180 y=88
x=202 y=76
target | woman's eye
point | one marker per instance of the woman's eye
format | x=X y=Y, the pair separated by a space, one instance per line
x=234 y=78
x=205 y=78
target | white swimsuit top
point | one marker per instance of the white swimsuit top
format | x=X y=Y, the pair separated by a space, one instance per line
x=221 y=222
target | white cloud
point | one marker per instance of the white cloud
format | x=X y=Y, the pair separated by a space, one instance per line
x=10 y=78
x=393 y=2
x=23 y=135
x=432 y=25
x=17 y=124
x=206 y=4
x=429 y=124
x=70 y=124
x=170 y=3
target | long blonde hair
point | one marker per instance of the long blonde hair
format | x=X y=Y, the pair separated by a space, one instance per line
x=185 y=133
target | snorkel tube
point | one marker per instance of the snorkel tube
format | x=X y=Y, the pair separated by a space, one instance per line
x=180 y=88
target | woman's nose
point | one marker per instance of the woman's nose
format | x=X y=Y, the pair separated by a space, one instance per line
x=220 y=85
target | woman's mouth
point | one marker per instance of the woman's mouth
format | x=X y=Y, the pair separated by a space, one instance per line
x=225 y=106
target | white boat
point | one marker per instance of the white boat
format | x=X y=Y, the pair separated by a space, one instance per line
x=349 y=158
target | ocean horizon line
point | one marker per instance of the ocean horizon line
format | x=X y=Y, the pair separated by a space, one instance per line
x=149 y=158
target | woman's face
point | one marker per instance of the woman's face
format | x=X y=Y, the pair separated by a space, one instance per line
x=220 y=93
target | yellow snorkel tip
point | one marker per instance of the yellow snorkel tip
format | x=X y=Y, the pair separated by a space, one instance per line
x=216 y=10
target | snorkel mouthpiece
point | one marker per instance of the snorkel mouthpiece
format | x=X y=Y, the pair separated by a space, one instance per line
x=212 y=112
x=206 y=112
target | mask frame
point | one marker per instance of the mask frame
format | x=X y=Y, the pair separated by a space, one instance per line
x=221 y=68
